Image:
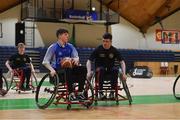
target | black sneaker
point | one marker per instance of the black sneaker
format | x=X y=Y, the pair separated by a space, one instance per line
x=72 y=97
x=22 y=88
x=81 y=96
x=111 y=95
x=52 y=80
x=102 y=96
x=28 y=88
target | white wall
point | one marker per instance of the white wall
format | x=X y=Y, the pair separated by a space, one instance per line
x=38 y=38
x=8 y=20
x=47 y=31
x=126 y=35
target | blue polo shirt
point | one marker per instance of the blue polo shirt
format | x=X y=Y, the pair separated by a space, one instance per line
x=56 y=52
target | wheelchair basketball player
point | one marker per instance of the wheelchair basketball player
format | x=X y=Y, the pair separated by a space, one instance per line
x=53 y=58
x=104 y=57
x=21 y=62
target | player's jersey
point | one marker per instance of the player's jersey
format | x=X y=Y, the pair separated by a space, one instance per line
x=105 y=57
x=56 y=53
x=19 y=61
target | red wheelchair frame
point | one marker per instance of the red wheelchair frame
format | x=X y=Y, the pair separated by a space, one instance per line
x=18 y=80
x=60 y=95
x=63 y=94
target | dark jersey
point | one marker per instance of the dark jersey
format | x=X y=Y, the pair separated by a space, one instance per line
x=105 y=57
x=18 y=61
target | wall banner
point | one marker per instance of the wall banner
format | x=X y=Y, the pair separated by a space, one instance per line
x=168 y=36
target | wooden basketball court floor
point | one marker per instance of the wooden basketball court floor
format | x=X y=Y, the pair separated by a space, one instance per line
x=152 y=100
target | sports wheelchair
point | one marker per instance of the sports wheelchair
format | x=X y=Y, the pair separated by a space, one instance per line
x=57 y=92
x=16 y=80
x=121 y=85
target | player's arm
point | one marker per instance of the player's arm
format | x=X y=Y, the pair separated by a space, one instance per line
x=89 y=63
x=32 y=66
x=8 y=65
x=123 y=67
x=122 y=64
x=47 y=59
x=8 y=62
x=74 y=55
x=88 y=66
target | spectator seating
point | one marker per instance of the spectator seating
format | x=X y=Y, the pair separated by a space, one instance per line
x=130 y=56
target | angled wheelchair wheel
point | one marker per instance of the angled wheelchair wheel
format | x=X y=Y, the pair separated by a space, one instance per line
x=126 y=89
x=9 y=82
x=46 y=91
x=4 y=85
x=88 y=93
x=13 y=83
x=176 y=88
x=92 y=82
x=34 y=80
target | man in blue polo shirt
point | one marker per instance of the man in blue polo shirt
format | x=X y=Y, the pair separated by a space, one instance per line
x=56 y=53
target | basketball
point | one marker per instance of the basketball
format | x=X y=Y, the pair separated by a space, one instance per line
x=66 y=63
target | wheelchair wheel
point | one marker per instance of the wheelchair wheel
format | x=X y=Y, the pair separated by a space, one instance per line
x=9 y=82
x=12 y=84
x=176 y=88
x=88 y=93
x=46 y=91
x=126 y=89
x=33 y=78
x=92 y=81
x=5 y=85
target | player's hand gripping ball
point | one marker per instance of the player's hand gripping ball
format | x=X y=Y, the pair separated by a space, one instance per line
x=66 y=63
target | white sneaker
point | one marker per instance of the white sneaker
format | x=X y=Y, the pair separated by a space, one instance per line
x=111 y=95
x=72 y=97
x=101 y=95
x=81 y=96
